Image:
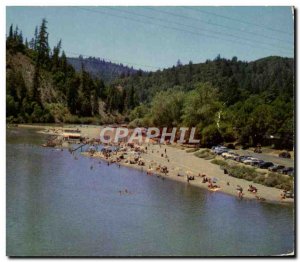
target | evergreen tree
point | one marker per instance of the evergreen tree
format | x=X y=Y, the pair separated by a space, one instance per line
x=11 y=34
x=26 y=43
x=32 y=44
x=35 y=92
x=16 y=32
x=43 y=45
x=35 y=39
x=85 y=98
x=63 y=62
x=55 y=56
x=72 y=94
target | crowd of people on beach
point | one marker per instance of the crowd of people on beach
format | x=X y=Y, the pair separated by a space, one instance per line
x=130 y=154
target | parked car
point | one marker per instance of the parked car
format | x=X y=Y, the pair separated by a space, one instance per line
x=224 y=154
x=265 y=165
x=257 y=162
x=233 y=155
x=220 y=149
x=289 y=194
x=249 y=160
x=287 y=170
x=276 y=168
x=285 y=154
x=240 y=158
x=229 y=155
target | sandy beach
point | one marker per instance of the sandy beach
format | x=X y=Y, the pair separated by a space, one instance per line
x=181 y=162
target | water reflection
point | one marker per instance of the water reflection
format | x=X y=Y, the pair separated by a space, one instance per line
x=60 y=206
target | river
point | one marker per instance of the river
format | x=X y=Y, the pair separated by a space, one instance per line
x=60 y=206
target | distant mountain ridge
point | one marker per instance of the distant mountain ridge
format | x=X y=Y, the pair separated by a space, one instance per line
x=97 y=67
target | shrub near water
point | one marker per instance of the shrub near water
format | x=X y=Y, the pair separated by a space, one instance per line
x=220 y=162
x=204 y=153
x=270 y=179
x=191 y=150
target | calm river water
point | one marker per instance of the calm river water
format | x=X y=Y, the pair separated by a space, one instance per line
x=59 y=206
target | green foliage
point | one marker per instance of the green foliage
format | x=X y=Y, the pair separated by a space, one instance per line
x=74 y=93
x=37 y=113
x=230 y=99
x=11 y=106
x=227 y=100
x=138 y=112
x=166 y=108
x=201 y=106
x=204 y=153
x=191 y=150
x=220 y=162
x=211 y=135
x=250 y=174
x=137 y=122
x=42 y=45
x=14 y=41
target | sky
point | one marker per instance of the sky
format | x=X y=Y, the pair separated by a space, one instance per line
x=154 y=38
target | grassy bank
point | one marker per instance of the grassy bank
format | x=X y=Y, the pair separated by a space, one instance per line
x=204 y=153
x=251 y=174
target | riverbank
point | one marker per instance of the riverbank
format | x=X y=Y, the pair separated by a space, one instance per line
x=180 y=164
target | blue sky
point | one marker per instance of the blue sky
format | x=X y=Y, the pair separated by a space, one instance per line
x=156 y=37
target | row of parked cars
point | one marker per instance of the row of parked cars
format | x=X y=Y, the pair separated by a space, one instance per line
x=253 y=161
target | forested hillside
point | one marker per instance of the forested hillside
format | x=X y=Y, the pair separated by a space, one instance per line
x=227 y=100
x=236 y=80
x=100 y=68
x=43 y=87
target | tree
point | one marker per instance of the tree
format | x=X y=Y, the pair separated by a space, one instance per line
x=138 y=112
x=35 y=91
x=37 y=113
x=178 y=63
x=99 y=87
x=21 y=89
x=210 y=135
x=11 y=106
x=32 y=44
x=201 y=110
x=201 y=106
x=84 y=96
x=131 y=98
x=26 y=43
x=167 y=112
x=11 y=34
x=16 y=33
x=63 y=62
x=11 y=86
x=55 y=56
x=43 y=45
x=94 y=103
x=72 y=94
x=35 y=39
x=14 y=41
